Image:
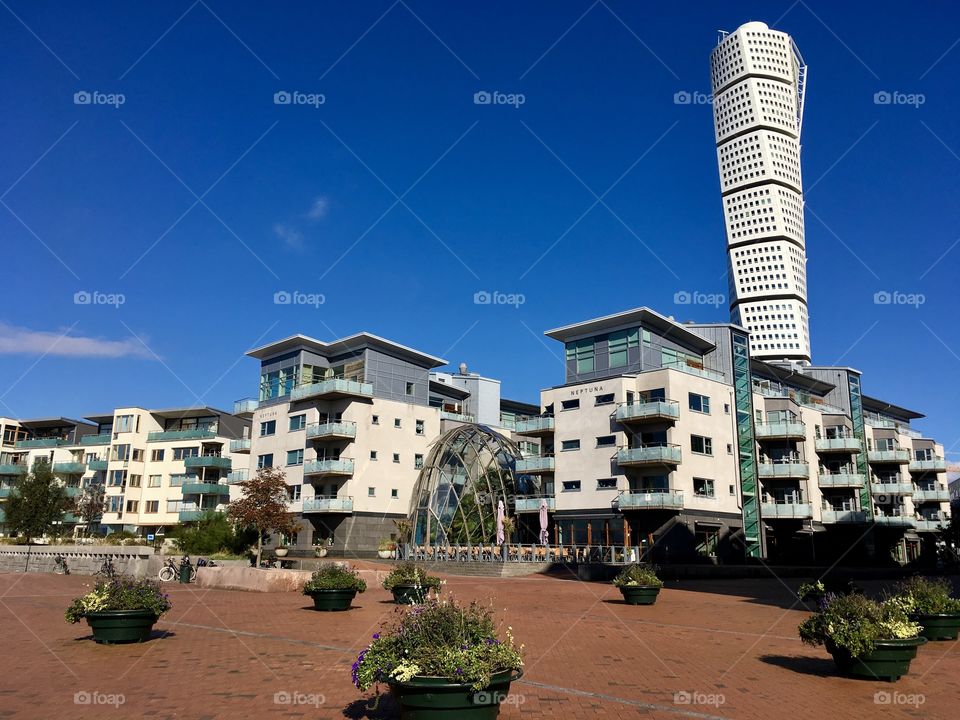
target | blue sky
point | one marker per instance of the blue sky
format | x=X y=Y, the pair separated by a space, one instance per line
x=398 y=198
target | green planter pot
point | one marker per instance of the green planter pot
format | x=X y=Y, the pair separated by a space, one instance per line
x=409 y=594
x=939 y=627
x=640 y=594
x=112 y=627
x=434 y=698
x=332 y=600
x=889 y=660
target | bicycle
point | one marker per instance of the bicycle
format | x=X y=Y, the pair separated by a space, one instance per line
x=171 y=571
x=107 y=569
x=60 y=565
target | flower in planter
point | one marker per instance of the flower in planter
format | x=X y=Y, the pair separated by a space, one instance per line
x=921 y=596
x=855 y=623
x=438 y=639
x=120 y=593
x=334 y=577
x=812 y=591
x=408 y=573
x=636 y=575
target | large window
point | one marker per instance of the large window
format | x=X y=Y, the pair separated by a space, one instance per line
x=265 y=461
x=619 y=344
x=699 y=403
x=295 y=457
x=582 y=352
x=703 y=487
x=298 y=422
x=278 y=383
x=570 y=445
x=124 y=423
x=184 y=452
x=268 y=428
x=670 y=357
x=701 y=445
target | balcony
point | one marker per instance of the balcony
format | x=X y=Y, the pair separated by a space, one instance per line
x=104 y=439
x=786 y=511
x=903 y=521
x=195 y=434
x=834 y=517
x=340 y=466
x=537 y=425
x=930 y=494
x=787 y=430
x=194 y=514
x=13 y=469
x=934 y=465
x=96 y=465
x=238 y=476
x=891 y=488
x=42 y=443
x=652 y=500
x=325 y=504
x=841 y=480
x=332 y=389
x=245 y=406
x=932 y=524
x=783 y=470
x=240 y=445
x=5 y=492
x=650 y=411
x=839 y=444
x=200 y=488
x=889 y=456
x=458 y=417
x=649 y=455
x=208 y=461
x=698 y=371
x=332 y=431
x=532 y=504
x=69 y=468
x=72 y=491
x=536 y=465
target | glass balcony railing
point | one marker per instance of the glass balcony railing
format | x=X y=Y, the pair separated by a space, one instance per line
x=783 y=470
x=5 y=492
x=832 y=517
x=649 y=455
x=42 y=443
x=319 y=431
x=192 y=515
x=932 y=523
x=334 y=387
x=246 y=406
x=323 y=504
x=536 y=464
x=536 y=425
x=208 y=461
x=895 y=520
x=786 y=510
x=458 y=417
x=650 y=500
x=72 y=491
x=103 y=439
x=928 y=494
x=194 y=434
x=889 y=456
x=778 y=430
x=532 y=504
x=340 y=466
x=651 y=410
x=69 y=468
x=891 y=488
x=932 y=465
x=698 y=371
x=200 y=488
x=839 y=444
x=841 y=480
x=240 y=445
x=13 y=469
x=239 y=475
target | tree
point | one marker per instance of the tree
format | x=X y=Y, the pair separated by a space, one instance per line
x=213 y=533
x=263 y=506
x=37 y=502
x=89 y=508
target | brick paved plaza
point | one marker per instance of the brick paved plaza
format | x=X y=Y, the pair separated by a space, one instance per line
x=230 y=654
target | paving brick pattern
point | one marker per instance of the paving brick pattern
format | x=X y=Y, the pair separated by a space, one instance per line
x=707 y=649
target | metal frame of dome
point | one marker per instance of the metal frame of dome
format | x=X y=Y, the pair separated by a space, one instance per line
x=468 y=470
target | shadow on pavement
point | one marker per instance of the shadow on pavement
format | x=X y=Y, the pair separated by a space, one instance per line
x=821 y=667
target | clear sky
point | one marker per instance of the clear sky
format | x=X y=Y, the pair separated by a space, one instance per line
x=176 y=187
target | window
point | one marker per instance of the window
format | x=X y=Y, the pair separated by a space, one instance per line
x=570 y=445
x=298 y=422
x=605 y=399
x=173 y=506
x=154 y=481
x=295 y=457
x=702 y=487
x=618 y=344
x=729 y=449
x=570 y=405
x=726 y=408
x=396 y=422
x=185 y=452
x=606 y=441
x=410 y=388
x=132 y=505
x=156 y=456
x=135 y=480
x=152 y=506
x=733 y=490
x=268 y=428
x=121 y=452
x=396 y=457
x=371 y=492
x=293 y=492
x=607 y=484
x=571 y=486
x=373 y=454
x=137 y=455
x=115 y=503
x=419 y=427
x=701 y=445
x=394 y=493
x=178 y=480
x=418 y=461
x=375 y=420
x=581 y=352
x=699 y=403
x=265 y=461
x=124 y=423
x=117 y=478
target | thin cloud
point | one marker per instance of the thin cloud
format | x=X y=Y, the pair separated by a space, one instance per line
x=23 y=341
x=319 y=208
x=291 y=236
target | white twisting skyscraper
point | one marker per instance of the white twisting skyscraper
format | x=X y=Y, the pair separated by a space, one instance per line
x=758 y=80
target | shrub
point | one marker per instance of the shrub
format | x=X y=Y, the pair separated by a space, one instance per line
x=334 y=577
x=386 y=544
x=634 y=575
x=855 y=623
x=812 y=591
x=213 y=533
x=922 y=596
x=120 y=593
x=440 y=639
x=408 y=573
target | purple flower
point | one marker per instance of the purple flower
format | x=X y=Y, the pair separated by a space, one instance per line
x=376 y=636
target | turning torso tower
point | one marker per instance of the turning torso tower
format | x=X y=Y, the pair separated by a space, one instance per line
x=758 y=80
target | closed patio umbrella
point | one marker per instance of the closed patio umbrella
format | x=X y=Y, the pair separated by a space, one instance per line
x=544 y=538
x=500 y=535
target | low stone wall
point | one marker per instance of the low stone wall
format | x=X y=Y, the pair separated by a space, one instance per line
x=136 y=560
x=267 y=579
